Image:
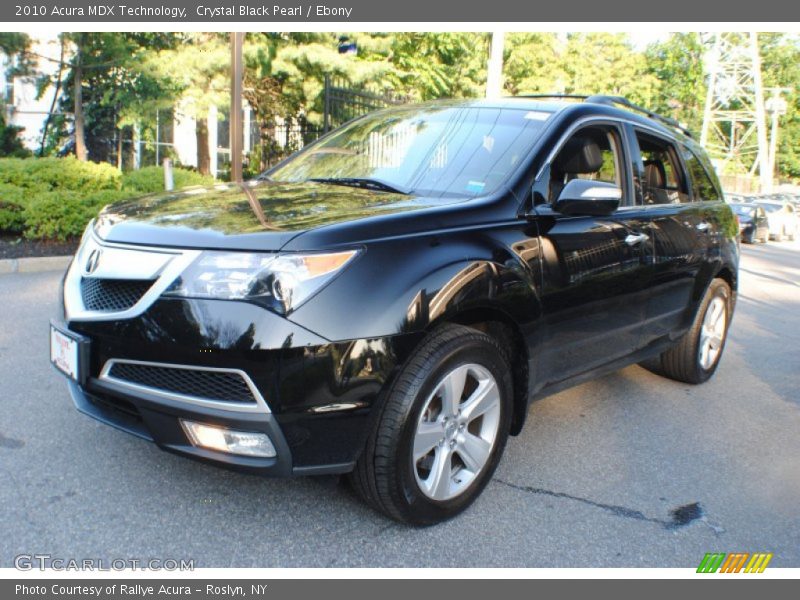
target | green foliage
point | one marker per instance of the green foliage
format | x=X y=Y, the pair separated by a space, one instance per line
x=45 y=174
x=151 y=179
x=12 y=202
x=62 y=214
x=10 y=144
x=780 y=65
x=677 y=65
x=54 y=198
x=119 y=87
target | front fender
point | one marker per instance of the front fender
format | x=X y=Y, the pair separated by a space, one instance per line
x=405 y=286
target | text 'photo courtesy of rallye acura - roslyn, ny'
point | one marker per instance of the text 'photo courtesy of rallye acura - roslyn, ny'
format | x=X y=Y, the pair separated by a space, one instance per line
x=388 y=301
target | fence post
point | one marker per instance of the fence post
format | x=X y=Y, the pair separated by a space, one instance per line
x=169 y=183
x=327 y=113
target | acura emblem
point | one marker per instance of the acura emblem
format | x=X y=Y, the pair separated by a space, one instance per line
x=93 y=260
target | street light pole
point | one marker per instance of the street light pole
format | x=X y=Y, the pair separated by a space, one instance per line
x=776 y=106
x=236 y=134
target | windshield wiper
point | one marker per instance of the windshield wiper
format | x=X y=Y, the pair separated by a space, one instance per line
x=361 y=182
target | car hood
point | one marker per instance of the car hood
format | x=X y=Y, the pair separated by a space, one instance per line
x=256 y=215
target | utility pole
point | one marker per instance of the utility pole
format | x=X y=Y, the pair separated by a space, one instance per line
x=77 y=93
x=776 y=106
x=236 y=134
x=494 y=79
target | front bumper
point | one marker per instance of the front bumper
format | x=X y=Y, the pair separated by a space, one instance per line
x=320 y=397
x=158 y=420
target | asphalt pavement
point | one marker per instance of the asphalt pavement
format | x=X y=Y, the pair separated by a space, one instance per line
x=631 y=470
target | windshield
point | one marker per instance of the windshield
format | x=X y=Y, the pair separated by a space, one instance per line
x=770 y=208
x=431 y=151
x=745 y=211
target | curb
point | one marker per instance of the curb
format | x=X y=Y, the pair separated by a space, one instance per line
x=37 y=264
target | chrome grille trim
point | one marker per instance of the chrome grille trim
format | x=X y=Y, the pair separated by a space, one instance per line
x=259 y=406
x=122 y=261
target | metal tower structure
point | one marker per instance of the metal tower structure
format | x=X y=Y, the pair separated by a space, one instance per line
x=734 y=122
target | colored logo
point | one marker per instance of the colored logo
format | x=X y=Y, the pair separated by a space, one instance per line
x=736 y=562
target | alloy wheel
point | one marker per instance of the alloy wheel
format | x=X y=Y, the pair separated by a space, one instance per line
x=456 y=432
x=712 y=333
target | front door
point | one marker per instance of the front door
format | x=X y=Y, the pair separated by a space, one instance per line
x=595 y=270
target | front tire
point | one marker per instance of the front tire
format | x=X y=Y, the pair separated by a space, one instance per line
x=442 y=431
x=695 y=357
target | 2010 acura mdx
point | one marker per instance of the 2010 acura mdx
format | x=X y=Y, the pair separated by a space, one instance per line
x=388 y=301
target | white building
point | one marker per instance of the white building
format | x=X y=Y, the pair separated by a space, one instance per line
x=23 y=108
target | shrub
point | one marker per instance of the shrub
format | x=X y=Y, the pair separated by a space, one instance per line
x=54 y=198
x=63 y=214
x=12 y=204
x=151 y=179
x=46 y=174
x=12 y=218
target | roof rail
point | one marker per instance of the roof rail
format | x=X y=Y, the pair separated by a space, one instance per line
x=613 y=101
x=622 y=101
x=555 y=96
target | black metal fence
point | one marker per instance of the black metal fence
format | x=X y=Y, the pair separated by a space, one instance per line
x=344 y=102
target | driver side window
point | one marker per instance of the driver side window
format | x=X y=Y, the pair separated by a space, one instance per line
x=592 y=153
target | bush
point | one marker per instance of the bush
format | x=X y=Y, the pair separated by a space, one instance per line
x=151 y=179
x=12 y=205
x=63 y=214
x=54 y=198
x=47 y=174
x=12 y=218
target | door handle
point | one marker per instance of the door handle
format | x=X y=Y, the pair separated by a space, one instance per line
x=636 y=238
x=702 y=226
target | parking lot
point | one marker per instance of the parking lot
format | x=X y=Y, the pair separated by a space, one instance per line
x=629 y=470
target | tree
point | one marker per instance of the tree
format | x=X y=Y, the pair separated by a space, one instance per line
x=677 y=65
x=780 y=62
x=532 y=64
x=14 y=46
x=109 y=88
x=606 y=63
x=198 y=70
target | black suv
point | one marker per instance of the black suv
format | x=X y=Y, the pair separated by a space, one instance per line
x=388 y=301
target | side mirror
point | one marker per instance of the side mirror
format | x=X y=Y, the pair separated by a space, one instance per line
x=586 y=197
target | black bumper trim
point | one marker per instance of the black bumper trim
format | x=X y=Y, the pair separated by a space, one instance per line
x=159 y=423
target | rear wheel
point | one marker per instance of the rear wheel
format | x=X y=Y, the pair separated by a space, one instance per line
x=442 y=431
x=696 y=355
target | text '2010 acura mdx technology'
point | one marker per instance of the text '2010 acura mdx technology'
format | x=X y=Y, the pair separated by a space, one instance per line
x=387 y=302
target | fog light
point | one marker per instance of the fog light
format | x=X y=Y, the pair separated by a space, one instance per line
x=243 y=443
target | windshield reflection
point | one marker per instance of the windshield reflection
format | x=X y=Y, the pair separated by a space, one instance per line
x=461 y=151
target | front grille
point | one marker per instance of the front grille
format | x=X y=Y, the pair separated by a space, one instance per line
x=108 y=295
x=209 y=385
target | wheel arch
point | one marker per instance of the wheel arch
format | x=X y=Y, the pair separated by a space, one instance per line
x=494 y=321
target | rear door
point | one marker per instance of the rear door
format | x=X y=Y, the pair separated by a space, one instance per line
x=595 y=269
x=682 y=230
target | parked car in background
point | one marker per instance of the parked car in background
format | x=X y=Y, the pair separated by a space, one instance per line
x=781 y=217
x=387 y=302
x=734 y=198
x=753 y=224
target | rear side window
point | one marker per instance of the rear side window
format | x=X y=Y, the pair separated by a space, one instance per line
x=702 y=186
x=663 y=179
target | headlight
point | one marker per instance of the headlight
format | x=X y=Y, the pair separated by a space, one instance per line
x=280 y=282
